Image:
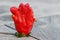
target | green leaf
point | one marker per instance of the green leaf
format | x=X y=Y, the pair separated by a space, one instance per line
x=17 y=34
x=20 y=35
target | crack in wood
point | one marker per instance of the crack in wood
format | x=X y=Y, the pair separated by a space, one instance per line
x=15 y=29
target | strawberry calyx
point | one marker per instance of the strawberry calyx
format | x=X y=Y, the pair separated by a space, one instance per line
x=21 y=35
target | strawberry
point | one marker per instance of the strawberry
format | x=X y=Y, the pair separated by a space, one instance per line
x=23 y=18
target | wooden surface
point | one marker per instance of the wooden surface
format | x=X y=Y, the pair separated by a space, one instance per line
x=11 y=37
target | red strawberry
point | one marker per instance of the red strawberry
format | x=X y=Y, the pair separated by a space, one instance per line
x=23 y=18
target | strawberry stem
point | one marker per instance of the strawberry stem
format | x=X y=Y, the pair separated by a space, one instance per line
x=20 y=35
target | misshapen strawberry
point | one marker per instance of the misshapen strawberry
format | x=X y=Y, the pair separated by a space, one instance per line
x=23 y=17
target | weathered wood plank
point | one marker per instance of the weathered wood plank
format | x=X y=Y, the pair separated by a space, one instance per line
x=11 y=37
